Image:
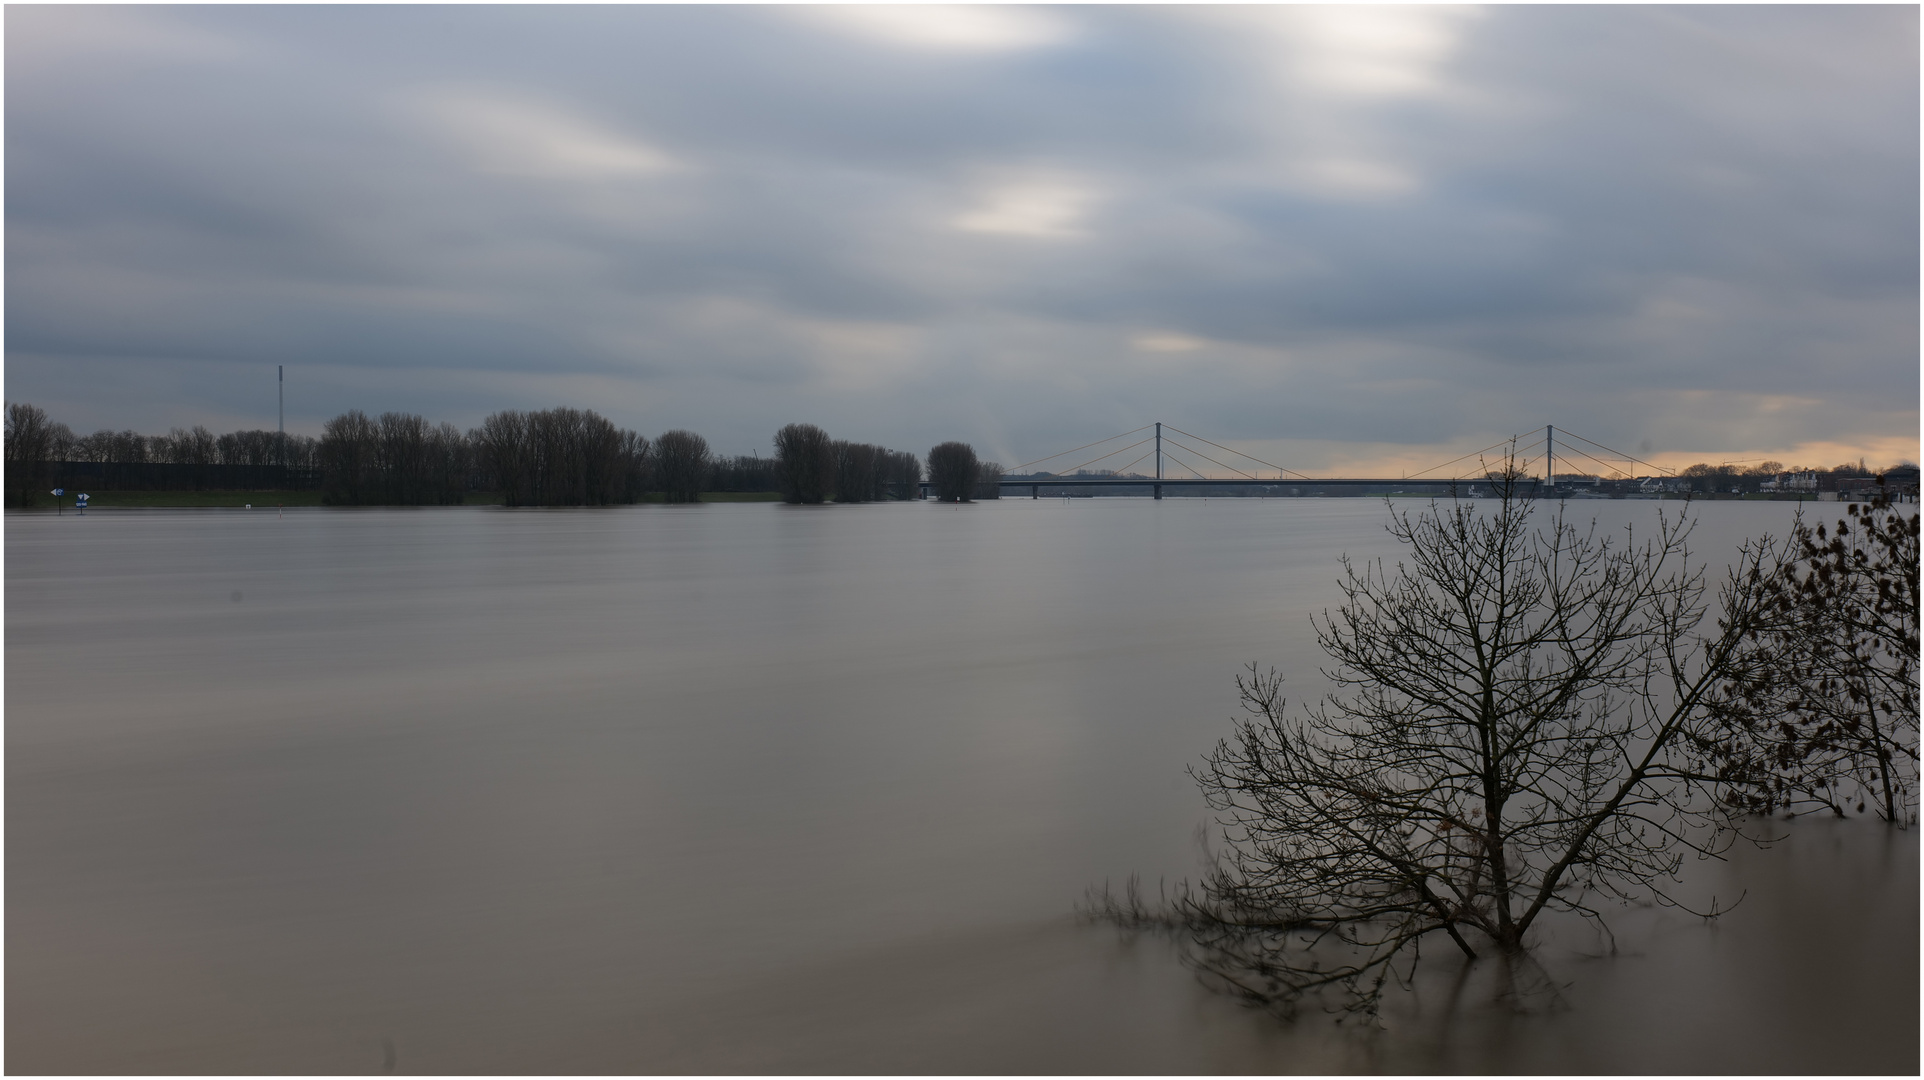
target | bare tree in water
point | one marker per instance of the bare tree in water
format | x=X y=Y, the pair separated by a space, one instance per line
x=952 y=471
x=682 y=462
x=1509 y=737
x=988 y=480
x=559 y=457
x=805 y=464
x=904 y=474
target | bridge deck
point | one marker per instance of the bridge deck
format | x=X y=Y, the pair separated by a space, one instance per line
x=1526 y=483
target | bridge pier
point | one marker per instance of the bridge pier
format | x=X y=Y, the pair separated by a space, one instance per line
x=1158 y=491
x=1035 y=491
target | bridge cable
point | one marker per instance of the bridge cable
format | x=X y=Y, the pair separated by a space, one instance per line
x=1517 y=459
x=1192 y=450
x=1200 y=475
x=1235 y=451
x=1206 y=457
x=1112 y=453
x=1512 y=439
x=1084 y=446
x=1184 y=464
x=1619 y=474
x=1619 y=453
x=1572 y=452
x=1133 y=464
x=1530 y=447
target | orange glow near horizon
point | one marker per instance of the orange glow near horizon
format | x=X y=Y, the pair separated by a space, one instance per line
x=1389 y=461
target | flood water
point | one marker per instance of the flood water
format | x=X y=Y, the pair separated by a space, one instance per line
x=742 y=788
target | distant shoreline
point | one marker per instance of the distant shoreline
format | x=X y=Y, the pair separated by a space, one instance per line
x=234 y=500
x=217 y=500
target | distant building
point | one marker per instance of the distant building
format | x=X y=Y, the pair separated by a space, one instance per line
x=1790 y=481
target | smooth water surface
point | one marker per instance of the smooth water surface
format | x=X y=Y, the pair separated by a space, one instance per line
x=752 y=788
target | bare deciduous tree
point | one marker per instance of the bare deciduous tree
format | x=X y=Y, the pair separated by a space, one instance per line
x=449 y=464
x=349 y=445
x=857 y=470
x=503 y=452
x=402 y=459
x=865 y=472
x=988 y=480
x=745 y=472
x=256 y=447
x=805 y=464
x=904 y=475
x=952 y=471
x=559 y=457
x=29 y=446
x=193 y=446
x=1509 y=737
x=682 y=462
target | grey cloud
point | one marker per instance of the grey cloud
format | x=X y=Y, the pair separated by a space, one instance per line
x=728 y=218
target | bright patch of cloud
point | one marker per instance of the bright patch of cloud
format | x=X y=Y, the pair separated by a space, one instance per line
x=1167 y=343
x=1043 y=210
x=1370 y=50
x=1353 y=178
x=947 y=27
x=521 y=138
x=1360 y=50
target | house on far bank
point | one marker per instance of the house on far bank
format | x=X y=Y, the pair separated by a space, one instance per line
x=1790 y=481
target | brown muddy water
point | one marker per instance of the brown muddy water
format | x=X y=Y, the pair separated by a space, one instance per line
x=751 y=788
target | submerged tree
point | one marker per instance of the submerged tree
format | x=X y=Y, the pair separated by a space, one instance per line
x=805 y=464
x=1508 y=738
x=857 y=471
x=904 y=472
x=952 y=471
x=399 y=459
x=559 y=457
x=744 y=472
x=682 y=463
x=1832 y=721
x=988 y=480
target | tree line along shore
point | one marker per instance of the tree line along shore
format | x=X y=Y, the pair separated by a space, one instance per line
x=576 y=457
x=550 y=457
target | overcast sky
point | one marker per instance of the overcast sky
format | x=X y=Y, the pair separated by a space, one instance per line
x=1351 y=238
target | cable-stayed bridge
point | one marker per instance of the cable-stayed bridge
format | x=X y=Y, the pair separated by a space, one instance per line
x=1527 y=461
